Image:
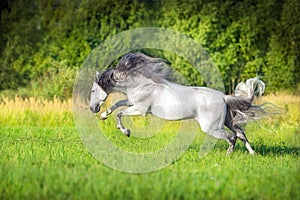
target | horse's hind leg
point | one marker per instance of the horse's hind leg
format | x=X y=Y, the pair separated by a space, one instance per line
x=241 y=135
x=220 y=133
x=223 y=134
x=213 y=124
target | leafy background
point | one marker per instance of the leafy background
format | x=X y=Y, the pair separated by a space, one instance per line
x=43 y=43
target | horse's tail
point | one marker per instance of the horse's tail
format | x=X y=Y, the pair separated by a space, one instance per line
x=240 y=106
x=250 y=90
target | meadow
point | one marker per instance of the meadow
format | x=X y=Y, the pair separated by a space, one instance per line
x=42 y=157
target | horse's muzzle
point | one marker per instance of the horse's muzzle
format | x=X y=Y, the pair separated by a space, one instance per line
x=95 y=108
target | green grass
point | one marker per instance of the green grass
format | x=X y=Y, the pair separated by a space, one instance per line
x=45 y=160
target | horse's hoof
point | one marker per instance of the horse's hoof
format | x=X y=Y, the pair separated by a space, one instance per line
x=103 y=116
x=127 y=132
x=229 y=151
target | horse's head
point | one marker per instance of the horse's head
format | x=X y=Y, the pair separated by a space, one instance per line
x=101 y=87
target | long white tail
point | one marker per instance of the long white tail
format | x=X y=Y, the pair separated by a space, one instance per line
x=240 y=105
x=251 y=89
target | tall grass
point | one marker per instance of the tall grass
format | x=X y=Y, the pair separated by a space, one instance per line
x=38 y=111
x=34 y=111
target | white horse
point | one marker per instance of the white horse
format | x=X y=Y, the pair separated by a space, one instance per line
x=145 y=82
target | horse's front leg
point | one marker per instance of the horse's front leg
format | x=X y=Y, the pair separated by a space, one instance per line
x=133 y=110
x=120 y=103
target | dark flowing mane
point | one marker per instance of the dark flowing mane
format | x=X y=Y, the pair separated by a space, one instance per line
x=105 y=80
x=153 y=68
x=131 y=64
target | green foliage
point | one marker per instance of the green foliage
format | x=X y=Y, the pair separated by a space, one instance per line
x=55 y=81
x=283 y=58
x=245 y=39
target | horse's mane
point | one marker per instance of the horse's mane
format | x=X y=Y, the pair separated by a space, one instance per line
x=105 y=81
x=153 y=68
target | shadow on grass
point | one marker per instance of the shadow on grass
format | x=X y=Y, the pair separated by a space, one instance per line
x=259 y=147
x=265 y=149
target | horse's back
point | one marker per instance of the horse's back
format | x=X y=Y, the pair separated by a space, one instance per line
x=207 y=96
x=199 y=96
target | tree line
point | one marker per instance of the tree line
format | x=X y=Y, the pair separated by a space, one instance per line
x=43 y=43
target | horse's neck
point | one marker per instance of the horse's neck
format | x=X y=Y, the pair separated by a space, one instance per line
x=134 y=85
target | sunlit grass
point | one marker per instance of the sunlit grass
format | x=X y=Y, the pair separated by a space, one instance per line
x=42 y=157
x=35 y=112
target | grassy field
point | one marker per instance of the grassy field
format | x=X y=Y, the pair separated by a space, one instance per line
x=42 y=157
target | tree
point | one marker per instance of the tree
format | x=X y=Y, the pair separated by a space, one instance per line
x=282 y=71
x=41 y=39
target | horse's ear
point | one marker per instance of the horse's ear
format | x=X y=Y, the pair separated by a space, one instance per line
x=112 y=74
x=96 y=77
x=165 y=61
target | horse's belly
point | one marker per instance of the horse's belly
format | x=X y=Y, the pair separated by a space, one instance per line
x=171 y=107
x=171 y=113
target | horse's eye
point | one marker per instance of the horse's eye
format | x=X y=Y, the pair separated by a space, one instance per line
x=93 y=90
